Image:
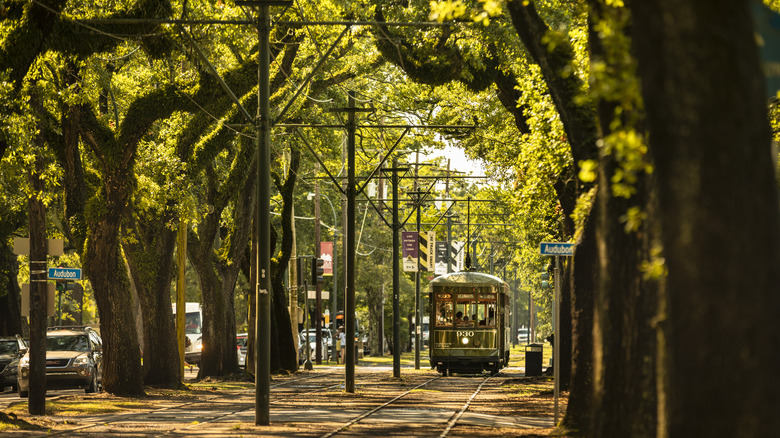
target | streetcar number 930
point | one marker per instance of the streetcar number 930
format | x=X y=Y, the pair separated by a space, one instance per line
x=465 y=333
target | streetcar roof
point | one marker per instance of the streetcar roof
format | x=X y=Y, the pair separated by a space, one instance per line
x=466 y=278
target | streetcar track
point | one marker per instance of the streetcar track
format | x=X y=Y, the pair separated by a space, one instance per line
x=366 y=414
x=226 y=406
x=451 y=423
x=457 y=416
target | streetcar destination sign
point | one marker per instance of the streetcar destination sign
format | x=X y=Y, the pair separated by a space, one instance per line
x=556 y=249
x=64 y=274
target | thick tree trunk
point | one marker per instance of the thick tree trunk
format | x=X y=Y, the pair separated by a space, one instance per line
x=624 y=377
x=218 y=356
x=718 y=201
x=218 y=279
x=150 y=257
x=286 y=355
x=11 y=321
x=107 y=273
x=374 y=301
x=624 y=396
x=584 y=269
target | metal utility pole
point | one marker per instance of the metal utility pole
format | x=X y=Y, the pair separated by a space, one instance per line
x=349 y=301
x=515 y=308
x=318 y=286
x=38 y=291
x=417 y=303
x=263 y=286
x=449 y=223
x=334 y=295
x=307 y=364
x=396 y=276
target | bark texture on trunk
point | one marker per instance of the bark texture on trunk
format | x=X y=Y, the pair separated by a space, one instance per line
x=150 y=258
x=718 y=215
x=108 y=275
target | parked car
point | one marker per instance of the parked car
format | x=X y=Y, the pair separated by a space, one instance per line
x=12 y=348
x=241 y=349
x=522 y=335
x=74 y=359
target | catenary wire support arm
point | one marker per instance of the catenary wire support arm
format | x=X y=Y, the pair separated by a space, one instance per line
x=419 y=200
x=222 y=83
x=378 y=211
x=308 y=79
x=316 y=156
x=444 y=215
x=384 y=159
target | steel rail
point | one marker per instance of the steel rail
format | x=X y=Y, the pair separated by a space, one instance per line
x=372 y=411
x=456 y=417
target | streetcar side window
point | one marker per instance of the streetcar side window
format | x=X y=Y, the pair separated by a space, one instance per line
x=443 y=310
x=487 y=309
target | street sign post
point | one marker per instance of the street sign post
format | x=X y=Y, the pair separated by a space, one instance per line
x=557 y=249
x=64 y=274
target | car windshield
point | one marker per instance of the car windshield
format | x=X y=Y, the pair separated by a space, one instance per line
x=192 y=326
x=67 y=343
x=9 y=347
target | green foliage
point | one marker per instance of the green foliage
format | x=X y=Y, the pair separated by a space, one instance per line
x=614 y=80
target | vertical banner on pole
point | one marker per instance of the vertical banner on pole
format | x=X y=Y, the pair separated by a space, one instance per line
x=326 y=254
x=441 y=258
x=409 y=246
x=458 y=256
x=426 y=252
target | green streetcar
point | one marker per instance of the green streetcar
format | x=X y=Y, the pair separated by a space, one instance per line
x=469 y=323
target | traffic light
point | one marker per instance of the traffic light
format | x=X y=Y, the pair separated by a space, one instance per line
x=316 y=271
x=545 y=280
x=63 y=286
x=302 y=269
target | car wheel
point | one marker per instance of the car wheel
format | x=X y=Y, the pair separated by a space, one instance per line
x=93 y=385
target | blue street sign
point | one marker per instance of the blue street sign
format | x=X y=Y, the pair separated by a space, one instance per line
x=556 y=249
x=64 y=274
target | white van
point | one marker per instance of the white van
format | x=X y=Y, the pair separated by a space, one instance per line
x=193 y=329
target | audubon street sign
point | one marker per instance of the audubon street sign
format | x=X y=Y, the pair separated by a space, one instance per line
x=556 y=249
x=64 y=274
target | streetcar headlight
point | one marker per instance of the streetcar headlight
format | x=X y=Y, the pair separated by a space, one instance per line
x=465 y=341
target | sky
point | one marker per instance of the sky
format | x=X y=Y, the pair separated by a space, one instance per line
x=458 y=160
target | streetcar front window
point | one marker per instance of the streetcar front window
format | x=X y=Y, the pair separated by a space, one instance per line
x=466 y=307
x=466 y=310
